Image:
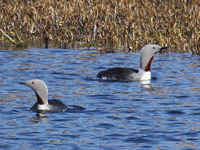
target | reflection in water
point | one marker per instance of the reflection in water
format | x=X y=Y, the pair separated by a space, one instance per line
x=39 y=118
x=156 y=114
x=145 y=83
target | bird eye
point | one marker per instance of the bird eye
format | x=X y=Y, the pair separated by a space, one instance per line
x=32 y=82
x=153 y=47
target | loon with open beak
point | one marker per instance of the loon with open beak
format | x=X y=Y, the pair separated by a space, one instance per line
x=129 y=74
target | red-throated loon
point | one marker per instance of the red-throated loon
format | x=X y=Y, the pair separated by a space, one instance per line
x=128 y=74
x=43 y=104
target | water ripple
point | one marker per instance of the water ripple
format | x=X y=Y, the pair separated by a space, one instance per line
x=101 y=115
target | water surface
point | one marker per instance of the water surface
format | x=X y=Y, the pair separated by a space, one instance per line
x=102 y=115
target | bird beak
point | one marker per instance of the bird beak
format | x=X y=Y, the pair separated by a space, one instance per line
x=24 y=83
x=164 y=47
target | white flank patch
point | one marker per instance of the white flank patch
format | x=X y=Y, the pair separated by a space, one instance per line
x=145 y=75
x=43 y=107
x=104 y=78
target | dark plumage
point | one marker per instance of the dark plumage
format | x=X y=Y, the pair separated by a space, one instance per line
x=118 y=74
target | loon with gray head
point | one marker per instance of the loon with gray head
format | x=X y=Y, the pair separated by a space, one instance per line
x=129 y=74
x=43 y=104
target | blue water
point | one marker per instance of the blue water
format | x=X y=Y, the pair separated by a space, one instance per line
x=102 y=115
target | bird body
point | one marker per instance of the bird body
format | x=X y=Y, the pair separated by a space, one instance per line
x=52 y=106
x=43 y=104
x=129 y=74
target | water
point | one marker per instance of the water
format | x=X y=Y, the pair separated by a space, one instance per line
x=102 y=115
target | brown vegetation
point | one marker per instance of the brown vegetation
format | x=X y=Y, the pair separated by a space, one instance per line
x=118 y=24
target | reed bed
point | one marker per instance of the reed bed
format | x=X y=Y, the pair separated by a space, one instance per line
x=119 y=24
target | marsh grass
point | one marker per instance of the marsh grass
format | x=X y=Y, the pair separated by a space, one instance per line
x=118 y=24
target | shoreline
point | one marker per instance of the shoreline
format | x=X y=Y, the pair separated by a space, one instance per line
x=111 y=24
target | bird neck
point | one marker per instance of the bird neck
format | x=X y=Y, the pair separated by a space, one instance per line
x=148 y=65
x=145 y=61
x=42 y=98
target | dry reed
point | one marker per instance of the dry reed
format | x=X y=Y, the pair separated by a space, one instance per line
x=118 y=24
